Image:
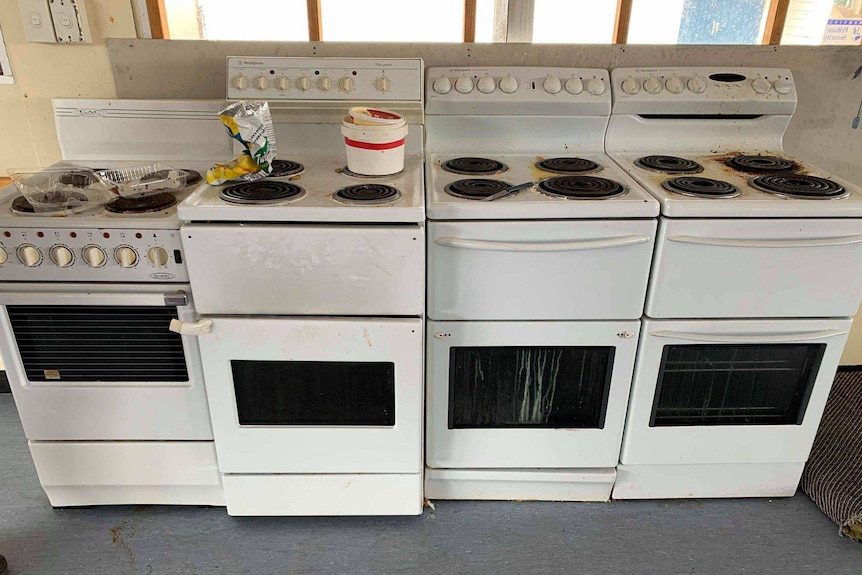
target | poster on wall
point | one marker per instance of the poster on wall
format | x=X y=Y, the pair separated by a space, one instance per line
x=844 y=27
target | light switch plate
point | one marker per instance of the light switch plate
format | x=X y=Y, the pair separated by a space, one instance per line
x=70 y=21
x=38 y=24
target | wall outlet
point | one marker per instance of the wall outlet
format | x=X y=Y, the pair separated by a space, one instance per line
x=38 y=24
x=70 y=21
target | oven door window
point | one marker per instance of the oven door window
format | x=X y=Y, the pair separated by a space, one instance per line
x=98 y=343
x=735 y=384
x=314 y=393
x=530 y=387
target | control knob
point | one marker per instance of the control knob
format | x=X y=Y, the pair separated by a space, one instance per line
x=783 y=86
x=126 y=256
x=324 y=84
x=696 y=84
x=508 y=85
x=596 y=87
x=631 y=86
x=240 y=82
x=261 y=82
x=303 y=83
x=761 y=85
x=574 y=86
x=486 y=84
x=4 y=257
x=383 y=84
x=94 y=256
x=282 y=83
x=674 y=85
x=552 y=85
x=157 y=256
x=61 y=256
x=442 y=85
x=652 y=85
x=346 y=84
x=30 y=256
x=464 y=85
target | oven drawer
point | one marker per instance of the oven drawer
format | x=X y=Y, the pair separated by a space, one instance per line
x=527 y=394
x=98 y=362
x=731 y=391
x=756 y=268
x=306 y=269
x=556 y=270
x=316 y=395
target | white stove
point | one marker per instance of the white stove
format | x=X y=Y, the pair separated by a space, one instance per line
x=112 y=403
x=534 y=298
x=311 y=290
x=755 y=274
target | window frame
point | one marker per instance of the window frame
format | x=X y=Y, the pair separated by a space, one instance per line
x=513 y=20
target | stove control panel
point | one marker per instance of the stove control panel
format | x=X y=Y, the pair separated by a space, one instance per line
x=324 y=79
x=518 y=90
x=696 y=90
x=92 y=255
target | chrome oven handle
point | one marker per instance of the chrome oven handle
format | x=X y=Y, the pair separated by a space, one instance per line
x=749 y=338
x=569 y=246
x=200 y=327
x=752 y=243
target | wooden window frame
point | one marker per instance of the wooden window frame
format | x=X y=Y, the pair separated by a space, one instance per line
x=516 y=20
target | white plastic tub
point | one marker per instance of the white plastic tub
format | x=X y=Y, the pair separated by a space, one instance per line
x=374 y=150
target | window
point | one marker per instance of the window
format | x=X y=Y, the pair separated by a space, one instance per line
x=5 y=68
x=697 y=21
x=539 y=21
x=567 y=22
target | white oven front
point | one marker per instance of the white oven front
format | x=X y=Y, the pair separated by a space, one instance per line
x=732 y=391
x=96 y=362
x=506 y=395
x=315 y=395
x=756 y=268
x=538 y=270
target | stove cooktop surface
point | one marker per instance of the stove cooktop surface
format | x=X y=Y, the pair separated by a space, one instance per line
x=577 y=186
x=324 y=191
x=751 y=183
x=157 y=211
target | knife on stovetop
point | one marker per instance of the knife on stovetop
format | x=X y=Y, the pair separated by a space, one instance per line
x=509 y=191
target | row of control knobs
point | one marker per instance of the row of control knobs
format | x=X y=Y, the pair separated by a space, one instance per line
x=697 y=85
x=94 y=256
x=510 y=85
x=303 y=83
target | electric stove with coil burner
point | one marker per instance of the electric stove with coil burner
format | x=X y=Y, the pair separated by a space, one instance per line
x=539 y=249
x=310 y=286
x=86 y=299
x=752 y=243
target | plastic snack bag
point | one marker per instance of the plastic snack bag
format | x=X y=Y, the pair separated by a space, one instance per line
x=249 y=123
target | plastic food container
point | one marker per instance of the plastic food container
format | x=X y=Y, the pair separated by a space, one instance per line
x=62 y=190
x=375 y=149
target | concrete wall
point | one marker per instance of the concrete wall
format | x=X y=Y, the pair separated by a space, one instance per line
x=43 y=71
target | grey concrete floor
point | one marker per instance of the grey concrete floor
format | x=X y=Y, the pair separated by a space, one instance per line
x=786 y=536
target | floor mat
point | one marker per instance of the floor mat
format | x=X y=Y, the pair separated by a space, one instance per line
x=833 y=474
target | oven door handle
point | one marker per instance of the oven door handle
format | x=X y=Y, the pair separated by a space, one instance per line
x=170 y=299
x=752 y=243
x=749 y=338
x=570 y=246
x=200 y=327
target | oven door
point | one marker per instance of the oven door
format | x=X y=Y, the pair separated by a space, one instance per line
x=528 y=394
x=736 y=391
x=97 y=362
x=316 y=395
x=756 y=268
x=555 y=270
x=306 y=269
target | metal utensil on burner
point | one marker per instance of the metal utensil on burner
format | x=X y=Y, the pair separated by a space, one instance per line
x=509 y=191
